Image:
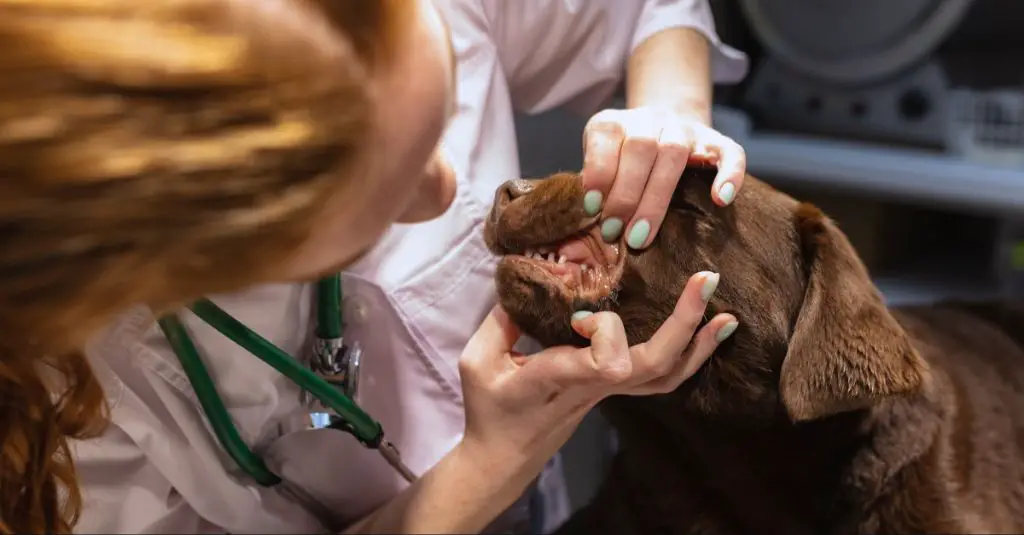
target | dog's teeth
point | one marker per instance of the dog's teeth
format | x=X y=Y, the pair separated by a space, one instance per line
x=551 y=257
x=561 y=259
x=583 y=267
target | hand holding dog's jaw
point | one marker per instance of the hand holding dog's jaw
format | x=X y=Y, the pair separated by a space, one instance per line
x=778 y=265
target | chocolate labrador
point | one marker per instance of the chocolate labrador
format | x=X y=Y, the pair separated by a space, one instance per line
x=825 y=413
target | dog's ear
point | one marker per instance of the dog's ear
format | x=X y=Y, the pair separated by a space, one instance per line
x=846 y=351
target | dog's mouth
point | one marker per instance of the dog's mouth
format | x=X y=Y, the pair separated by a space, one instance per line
x=582 y=268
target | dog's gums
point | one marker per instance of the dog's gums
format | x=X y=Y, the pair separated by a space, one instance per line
x=582 y=268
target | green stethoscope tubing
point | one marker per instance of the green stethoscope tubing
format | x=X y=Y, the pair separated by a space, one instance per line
x=329 y=325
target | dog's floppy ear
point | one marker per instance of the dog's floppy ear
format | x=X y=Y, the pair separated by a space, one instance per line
x=846 y=350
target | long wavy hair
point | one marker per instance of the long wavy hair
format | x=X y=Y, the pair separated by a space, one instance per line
x=153 y=151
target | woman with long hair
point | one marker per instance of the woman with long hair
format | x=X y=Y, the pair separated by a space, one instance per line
x=153 y=152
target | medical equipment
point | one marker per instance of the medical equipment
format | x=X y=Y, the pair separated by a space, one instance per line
x=334 y=383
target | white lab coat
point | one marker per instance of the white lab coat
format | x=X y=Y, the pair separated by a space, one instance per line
x=412 y=303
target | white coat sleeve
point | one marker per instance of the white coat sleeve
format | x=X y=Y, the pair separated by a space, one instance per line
x=574 y=53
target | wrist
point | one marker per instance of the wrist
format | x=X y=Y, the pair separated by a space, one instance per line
x=507 y=474
x=688 y=110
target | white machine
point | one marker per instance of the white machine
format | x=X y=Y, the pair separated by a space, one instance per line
x=942 y=74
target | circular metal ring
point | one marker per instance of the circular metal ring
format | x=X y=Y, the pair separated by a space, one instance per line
x=353 y=362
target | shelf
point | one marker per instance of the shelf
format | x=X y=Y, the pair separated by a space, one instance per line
x=899 y=174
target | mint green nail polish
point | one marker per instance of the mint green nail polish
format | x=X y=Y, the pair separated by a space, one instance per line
x=580 y=315
x=726 y=192
x=592 y=202
x=709 y=286
x=726 y=331
x=611 y=228
x=638 y=234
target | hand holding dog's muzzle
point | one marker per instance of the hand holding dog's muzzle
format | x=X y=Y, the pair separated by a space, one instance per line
x=525 y=408
x=678 y=348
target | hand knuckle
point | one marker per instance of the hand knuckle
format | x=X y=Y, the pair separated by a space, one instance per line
x=674 y=153
x=613 y=375
x=600 y=166
x=466 y=366
x=674 y=148
x=469 y=370
x=622 y=203
x=605 y=121
x=642 y=144
x=741 y=153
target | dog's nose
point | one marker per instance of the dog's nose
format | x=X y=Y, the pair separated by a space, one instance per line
x=517 y=188
x=508 y=192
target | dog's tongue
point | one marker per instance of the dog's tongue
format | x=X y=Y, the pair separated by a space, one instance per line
x=578 y=251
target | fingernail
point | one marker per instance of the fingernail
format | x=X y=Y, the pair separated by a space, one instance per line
x=709 y=286
x=726 y=192
x=611 y=228
x=581 y=315
x=592 y=202
x=726 y=331
x=638 y=234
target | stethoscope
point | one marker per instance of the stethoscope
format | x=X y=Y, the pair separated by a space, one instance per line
x=333 y=379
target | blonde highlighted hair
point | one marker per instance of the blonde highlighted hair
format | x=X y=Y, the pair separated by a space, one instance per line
x=153 y=151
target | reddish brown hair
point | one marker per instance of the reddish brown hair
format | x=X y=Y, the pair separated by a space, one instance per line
x=153 y=151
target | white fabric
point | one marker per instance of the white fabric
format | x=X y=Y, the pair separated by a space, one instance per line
x=412 y=304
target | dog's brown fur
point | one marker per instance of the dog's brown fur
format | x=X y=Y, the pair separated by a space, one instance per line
x=825 y=413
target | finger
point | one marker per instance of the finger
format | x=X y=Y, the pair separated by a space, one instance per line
x=602 y=143
x=670 y=340
x=674 y=148
x=491 y=344
x=609 y=348
x=704 y=344
x=716 y=331
x=732 y=168
x=636 y=160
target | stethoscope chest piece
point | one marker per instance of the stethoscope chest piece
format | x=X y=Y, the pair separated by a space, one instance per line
x=339 y=364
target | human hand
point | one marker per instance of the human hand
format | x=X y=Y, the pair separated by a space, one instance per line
x=521 y=409
x=677 y=349
x=633 y=160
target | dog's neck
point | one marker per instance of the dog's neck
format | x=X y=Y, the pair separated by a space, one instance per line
x=781 y=475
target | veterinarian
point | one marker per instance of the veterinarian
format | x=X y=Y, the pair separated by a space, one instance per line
x=416 y=297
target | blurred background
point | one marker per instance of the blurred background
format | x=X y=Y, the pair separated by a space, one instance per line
x=903 y=120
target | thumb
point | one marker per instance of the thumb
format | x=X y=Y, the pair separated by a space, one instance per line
x=608 y=345
x=494 y=338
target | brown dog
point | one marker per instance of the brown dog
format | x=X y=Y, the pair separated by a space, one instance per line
x=825 y=413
